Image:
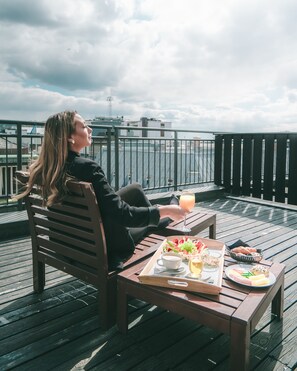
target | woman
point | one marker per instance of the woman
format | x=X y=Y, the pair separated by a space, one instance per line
x=127 y=214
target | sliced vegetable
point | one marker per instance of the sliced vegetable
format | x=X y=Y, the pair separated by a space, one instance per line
x=185 y=246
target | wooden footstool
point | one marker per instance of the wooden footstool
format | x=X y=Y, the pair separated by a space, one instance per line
x=235 y=311
x=197 y=221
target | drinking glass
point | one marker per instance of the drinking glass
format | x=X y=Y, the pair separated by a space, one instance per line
x=196 y=266
x=187 y=202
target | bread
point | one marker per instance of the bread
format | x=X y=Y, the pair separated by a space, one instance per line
x=260 y=269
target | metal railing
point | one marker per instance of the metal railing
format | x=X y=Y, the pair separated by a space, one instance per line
x=159 y=159
x=262 y=165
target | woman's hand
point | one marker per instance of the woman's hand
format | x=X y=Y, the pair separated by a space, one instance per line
x=174 y=212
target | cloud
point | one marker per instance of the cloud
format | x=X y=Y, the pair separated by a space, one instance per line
x=215 y=66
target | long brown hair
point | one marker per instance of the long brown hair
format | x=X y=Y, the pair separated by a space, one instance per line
x=48 y=171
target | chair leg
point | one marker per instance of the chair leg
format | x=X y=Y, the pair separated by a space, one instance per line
x=108 y=303
x=38 y=276
x=122 y=308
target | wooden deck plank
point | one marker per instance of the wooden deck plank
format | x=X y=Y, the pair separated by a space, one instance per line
x=63 y=321
x=285 y=353
x=113 y=342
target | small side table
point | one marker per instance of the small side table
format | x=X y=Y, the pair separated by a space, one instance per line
x=197 y=221
x=235 y=311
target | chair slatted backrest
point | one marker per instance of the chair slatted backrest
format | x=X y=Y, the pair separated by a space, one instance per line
x=70 y=235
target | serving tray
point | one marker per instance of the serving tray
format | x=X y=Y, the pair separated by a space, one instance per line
x=211 y=279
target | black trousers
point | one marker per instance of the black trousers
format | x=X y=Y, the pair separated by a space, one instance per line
x=134 y=195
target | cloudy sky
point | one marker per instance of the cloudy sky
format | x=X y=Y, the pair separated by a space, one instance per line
x=221 y=65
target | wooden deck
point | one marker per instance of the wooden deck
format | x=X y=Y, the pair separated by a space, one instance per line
x=58 y=330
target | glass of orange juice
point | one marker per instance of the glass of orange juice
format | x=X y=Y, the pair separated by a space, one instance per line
x=187 y=202
x=196 y=265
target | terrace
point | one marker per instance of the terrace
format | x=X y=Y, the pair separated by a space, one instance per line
x=59 y=328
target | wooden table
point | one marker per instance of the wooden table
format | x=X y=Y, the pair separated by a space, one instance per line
x=197 y=221
x=235 y=311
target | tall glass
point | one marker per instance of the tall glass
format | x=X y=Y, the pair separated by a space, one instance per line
x=196 y=265
x=187 y=202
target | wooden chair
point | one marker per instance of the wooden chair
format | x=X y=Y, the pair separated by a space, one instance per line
x=70 y=237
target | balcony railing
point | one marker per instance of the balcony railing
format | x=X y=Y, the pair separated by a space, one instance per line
x=262 y=165
x=258 y=165
x=159 y=159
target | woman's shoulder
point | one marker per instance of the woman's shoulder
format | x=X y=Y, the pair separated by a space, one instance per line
x=82 y=166
x=75 y=158
x=84 y=161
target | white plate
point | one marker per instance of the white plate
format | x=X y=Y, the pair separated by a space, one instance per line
x=247 y=268
x=170 y=272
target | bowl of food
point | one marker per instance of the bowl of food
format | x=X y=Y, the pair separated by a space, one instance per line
x=245 y=254
x=211 y=261
x=185 y=247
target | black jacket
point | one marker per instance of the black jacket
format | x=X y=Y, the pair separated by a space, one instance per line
x=116 y=214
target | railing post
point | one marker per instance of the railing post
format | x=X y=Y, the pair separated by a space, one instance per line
x=116 y=157
x=108 y=164
x=246 y=164
x=280 y=168
x=227 y=162
x=19 y=155
x=292 y=181
x=19 y=146
x=175 y=161
x=218 y=160
x=257 y=165
x=268 y=180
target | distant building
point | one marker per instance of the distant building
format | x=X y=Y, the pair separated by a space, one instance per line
x=145 y=122
x=104 y=121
